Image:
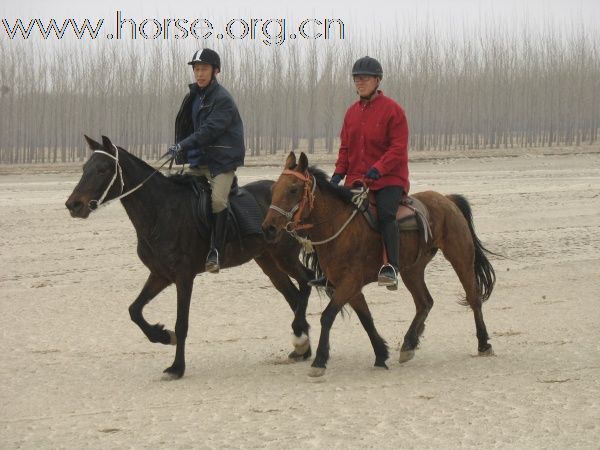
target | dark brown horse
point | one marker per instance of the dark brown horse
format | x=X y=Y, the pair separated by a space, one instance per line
x=170 y=245
x=352 y=260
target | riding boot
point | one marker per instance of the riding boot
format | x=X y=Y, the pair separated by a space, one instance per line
x=214 y=260
x=388 y=274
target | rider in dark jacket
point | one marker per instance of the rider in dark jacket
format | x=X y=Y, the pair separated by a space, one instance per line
x=218 y=141
x=209 y=135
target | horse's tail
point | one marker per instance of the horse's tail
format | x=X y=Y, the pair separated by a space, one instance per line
x=484 y=272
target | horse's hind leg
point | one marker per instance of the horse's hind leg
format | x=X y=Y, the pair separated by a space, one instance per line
x=380 y=347
x=155 y=333
x=414 y=280
x=296 y=298
x=465 y=269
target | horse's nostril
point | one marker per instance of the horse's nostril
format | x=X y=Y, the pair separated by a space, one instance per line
x=269 y=231
x=73 y=205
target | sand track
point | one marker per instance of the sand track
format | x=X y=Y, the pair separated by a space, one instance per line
x=76 y=373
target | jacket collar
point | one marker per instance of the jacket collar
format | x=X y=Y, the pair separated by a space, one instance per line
x=367 y=103
x=208 y=90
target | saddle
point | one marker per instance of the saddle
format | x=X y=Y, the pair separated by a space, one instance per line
x=412 y=215
x=245 y=216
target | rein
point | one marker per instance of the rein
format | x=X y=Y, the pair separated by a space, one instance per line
x=95 y=204
x=294 y=215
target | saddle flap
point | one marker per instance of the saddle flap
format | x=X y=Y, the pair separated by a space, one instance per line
x=404 y=212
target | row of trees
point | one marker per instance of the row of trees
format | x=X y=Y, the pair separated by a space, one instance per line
x=484 y=88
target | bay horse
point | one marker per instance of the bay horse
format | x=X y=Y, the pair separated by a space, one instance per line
x=303 y=198
x=171 y=247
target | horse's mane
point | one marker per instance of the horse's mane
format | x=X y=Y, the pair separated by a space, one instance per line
x=322 y=179
x=176 y=178
x=138 y=160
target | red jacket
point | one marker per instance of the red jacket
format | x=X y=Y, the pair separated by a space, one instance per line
x=375 y=134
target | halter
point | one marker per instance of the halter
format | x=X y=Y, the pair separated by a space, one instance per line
x=294 y=215
x=95 y=204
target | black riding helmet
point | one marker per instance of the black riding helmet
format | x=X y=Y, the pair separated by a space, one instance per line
x=206 y=56
x=367 y=66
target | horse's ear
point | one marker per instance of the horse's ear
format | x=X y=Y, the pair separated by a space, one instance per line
x=92 y=144
x=290 y=162
x=108 y=145
x=302 y=163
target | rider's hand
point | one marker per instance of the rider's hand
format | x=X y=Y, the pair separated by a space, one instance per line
x=336 y=178
x=177 y=153
x=372 y=174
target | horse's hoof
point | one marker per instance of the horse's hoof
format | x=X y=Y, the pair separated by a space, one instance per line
x=381 y=364
x=301 y=343
x=406 y=355
x=173 y=373
x=299 y=357
x=316 y=372
x=488 y=352
x=172 y=337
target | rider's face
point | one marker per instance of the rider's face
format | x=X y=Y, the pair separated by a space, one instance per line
x=203 y=74
x=365 y=84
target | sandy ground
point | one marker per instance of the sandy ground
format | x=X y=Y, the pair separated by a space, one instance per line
x=76 y=373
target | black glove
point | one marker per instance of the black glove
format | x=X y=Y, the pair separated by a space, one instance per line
x=336 y=178
x=372 y=174
x=176 y=152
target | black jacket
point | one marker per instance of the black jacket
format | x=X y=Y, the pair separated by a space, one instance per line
x=219 y=140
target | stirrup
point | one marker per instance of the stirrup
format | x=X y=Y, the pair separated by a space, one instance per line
x=318 y=282
x=389 y=280
x=212 y=261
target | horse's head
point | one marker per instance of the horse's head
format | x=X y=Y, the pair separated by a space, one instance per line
x=101 y=179
x=291 y=199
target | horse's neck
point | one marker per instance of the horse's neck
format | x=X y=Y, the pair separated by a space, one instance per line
x=144 y=206
x=328 y=216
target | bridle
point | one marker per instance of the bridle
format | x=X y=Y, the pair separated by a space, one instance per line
x=294 y=215
x=95 y=204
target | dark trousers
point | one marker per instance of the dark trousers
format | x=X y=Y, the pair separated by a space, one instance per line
x=388 y=200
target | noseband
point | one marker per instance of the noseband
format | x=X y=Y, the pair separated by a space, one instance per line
x=294 y=215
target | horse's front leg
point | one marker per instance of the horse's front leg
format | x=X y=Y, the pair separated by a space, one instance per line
x=297 y=298
x=184 y=294
x=155 y=333
x=327 y=318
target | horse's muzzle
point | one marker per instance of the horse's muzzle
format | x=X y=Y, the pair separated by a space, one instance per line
x=77 y=208
x=271 y=233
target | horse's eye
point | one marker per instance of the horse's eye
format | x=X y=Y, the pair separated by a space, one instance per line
x=293 y=190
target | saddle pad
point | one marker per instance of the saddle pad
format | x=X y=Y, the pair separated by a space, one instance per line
x=414 y=204
x=244 y=212
x=248 y=214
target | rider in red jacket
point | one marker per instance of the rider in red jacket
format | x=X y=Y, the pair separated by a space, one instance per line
x=374 y=147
